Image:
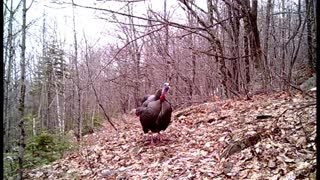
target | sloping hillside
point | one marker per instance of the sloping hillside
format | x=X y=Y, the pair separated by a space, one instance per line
x=269 y=137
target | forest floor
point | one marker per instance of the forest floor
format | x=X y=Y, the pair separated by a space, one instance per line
x=269 y=137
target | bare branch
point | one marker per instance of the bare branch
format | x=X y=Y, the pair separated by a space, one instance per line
x=30 y=5
x=111 y=11
x=127 y=24
x=94 y=89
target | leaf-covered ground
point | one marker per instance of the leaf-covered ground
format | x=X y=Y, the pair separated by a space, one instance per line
x=269 y=137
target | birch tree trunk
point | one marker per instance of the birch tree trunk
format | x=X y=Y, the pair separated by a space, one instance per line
x=43 y=115
x=64 y=99
x=57 y=99
x=8 y=80
x=77 y=84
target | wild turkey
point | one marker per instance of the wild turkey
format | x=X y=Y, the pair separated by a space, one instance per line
x=155 y=112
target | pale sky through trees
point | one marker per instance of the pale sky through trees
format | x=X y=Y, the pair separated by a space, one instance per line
x=59 y=17
x=87 y=20
x=99 y=32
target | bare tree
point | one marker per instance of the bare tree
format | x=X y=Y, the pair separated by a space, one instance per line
x=283 y=52
x=311 y=33
x=77 y=82
x=296 y=48
x=252 y=37
x=233 y=31
x=266 y=42
x=135 y=53
x=22 y=93
x=8 y=74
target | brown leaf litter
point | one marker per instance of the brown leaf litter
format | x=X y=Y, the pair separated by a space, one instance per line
x=268 y=137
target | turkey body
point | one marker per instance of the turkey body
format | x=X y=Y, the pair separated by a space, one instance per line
x=155 y=111
x=156 y=116
x=165 y=116
x=147 y=99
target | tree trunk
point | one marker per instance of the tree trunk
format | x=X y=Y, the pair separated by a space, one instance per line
x=77 y=84
x=294 y=55
x=34 y=131
x=253 y=38
x=247 y=58
x=49 y=99
x=223 y=69
x=44 y=116
x=135 y=55
x=311 y=34
x=193 y=59
x=22 y=94
x=256 y=48
x=8 y=81
x=266 y=43
x=40 y=111
x=283 y=55
x=234 y=36
x=57 y=99
x=64 y=99
x=166 y=45
x=218 y=50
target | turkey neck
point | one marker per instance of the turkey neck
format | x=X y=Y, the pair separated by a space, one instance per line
x=162 y=98
x=158 y=93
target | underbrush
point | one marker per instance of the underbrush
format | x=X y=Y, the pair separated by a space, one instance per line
x=41 y=149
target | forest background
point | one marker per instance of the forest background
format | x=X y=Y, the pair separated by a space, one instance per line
x=69 y=66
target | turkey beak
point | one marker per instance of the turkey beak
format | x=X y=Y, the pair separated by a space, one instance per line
x=165 y=89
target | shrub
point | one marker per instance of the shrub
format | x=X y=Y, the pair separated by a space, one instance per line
x=41 y=149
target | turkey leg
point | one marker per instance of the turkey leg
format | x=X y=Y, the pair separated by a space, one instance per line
x=161 y=137
x=151 y=137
